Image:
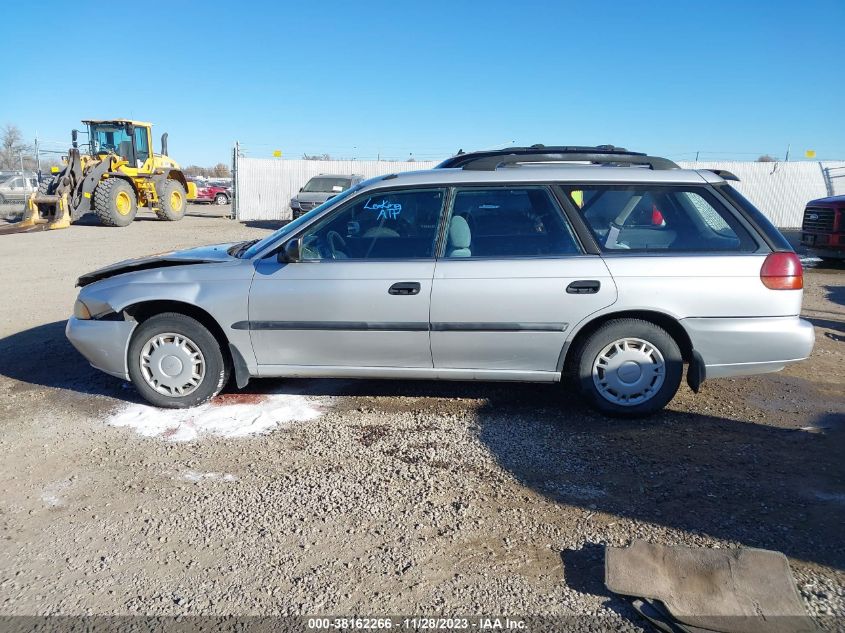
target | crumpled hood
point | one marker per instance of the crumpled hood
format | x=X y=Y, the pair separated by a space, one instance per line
x=200 y=255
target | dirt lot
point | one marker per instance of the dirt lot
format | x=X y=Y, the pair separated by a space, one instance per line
x=385 y=497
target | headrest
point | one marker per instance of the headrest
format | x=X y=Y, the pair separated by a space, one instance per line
x=459 y=234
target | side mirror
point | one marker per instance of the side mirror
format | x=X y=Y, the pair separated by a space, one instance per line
x=290 y=253
x=301 y=189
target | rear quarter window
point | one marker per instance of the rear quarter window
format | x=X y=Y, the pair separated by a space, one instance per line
x=657 y=218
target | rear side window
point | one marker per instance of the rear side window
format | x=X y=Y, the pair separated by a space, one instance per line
x=507 y=222
x=658 y=218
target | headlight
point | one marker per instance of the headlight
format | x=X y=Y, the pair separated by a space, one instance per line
x=294 y=203
x=81 y=311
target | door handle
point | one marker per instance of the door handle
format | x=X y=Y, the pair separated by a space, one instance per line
x=583 y=287
x=405 y=288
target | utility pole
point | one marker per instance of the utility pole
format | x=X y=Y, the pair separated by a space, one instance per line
x=37 y=160
x=787 y=152
x=696 y=157
x=236 y=151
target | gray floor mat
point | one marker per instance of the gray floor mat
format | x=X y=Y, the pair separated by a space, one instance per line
x=742 y=590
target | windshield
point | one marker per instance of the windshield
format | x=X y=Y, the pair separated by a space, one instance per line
x=293 y=225
x=108 y=137
x=323 y=184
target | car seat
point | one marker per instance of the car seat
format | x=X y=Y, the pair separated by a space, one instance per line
x=460 y=238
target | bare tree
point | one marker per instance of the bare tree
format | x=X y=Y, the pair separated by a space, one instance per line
x=221 y=170
x=316 y=156
x=12 y=147
x=765 y=158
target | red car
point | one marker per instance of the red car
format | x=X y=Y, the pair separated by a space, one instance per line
x=213 y=194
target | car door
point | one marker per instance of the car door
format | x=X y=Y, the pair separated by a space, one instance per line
x=359 y=296
x=511 y=282
x=15 y=189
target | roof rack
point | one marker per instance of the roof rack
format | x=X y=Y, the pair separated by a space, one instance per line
x=599 y=155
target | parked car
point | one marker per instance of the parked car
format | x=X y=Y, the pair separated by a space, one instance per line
x=213 y=194
x=17 y=188
x=823 y=227
x=319 y=189
x=611 y=275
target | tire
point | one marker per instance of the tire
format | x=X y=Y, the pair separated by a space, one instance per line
x=634 y=384
x=156 y=379
x=221 y=199
x=172 y=201
x=45 y=187
x=115 y=202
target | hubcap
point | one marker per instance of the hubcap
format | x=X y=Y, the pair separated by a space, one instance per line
x=124 y=204
x=175 y=200
x=629 y=371
x=172 y=364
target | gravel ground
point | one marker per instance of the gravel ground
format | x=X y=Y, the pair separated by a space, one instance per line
x=387 y=497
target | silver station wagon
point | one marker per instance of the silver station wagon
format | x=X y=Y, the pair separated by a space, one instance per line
x=605 y=268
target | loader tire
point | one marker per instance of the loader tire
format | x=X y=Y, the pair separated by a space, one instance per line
x=115 y=202
x=45 y=187
x=172 y=201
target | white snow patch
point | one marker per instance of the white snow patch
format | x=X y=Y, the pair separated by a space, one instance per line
x=51 y=495
x=246 y=416
x=193 y=475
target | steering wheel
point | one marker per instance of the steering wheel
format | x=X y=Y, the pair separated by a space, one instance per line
x=337 y=245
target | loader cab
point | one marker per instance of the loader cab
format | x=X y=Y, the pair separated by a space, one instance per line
x=131 y=140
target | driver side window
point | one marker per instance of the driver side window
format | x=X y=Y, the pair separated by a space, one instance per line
x=378 y=225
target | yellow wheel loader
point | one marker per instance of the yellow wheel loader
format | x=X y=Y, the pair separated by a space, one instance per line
x=118 y=174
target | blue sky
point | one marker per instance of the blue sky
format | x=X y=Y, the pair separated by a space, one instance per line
x=397 y=78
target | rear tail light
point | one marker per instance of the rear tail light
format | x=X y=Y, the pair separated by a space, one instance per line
x=782 y=271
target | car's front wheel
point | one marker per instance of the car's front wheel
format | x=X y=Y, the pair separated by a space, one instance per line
x=629 y=367
x=175 y=362
x=221 y=198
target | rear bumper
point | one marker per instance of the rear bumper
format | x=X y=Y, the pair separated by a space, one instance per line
x=103 y=343
x=747 y=346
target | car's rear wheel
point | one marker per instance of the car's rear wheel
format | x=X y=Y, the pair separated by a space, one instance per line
x=175 y=361
x=629 y=367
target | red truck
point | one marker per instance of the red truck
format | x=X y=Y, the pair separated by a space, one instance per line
x=823 y=227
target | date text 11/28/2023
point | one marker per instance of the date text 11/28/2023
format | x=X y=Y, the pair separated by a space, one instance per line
x=416 y=623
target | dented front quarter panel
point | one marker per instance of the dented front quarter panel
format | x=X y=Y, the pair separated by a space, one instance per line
x=220 y=288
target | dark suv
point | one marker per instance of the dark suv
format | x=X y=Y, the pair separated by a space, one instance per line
x=823 y=227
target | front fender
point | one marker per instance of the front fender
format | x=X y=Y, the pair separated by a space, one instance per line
x=225 y=297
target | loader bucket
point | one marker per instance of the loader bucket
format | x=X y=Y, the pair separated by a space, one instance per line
x=43 y=213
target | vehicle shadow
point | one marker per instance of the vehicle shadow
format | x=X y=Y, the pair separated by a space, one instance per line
x=827 y=323
x=836 y=294
x=748 y=483
x=754 y=484
x=42 y=355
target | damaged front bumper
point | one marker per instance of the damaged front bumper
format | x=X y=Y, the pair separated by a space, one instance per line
x=104 y=343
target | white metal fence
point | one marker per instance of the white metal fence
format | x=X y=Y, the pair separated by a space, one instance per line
x=780 y=190
x=264 y=187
